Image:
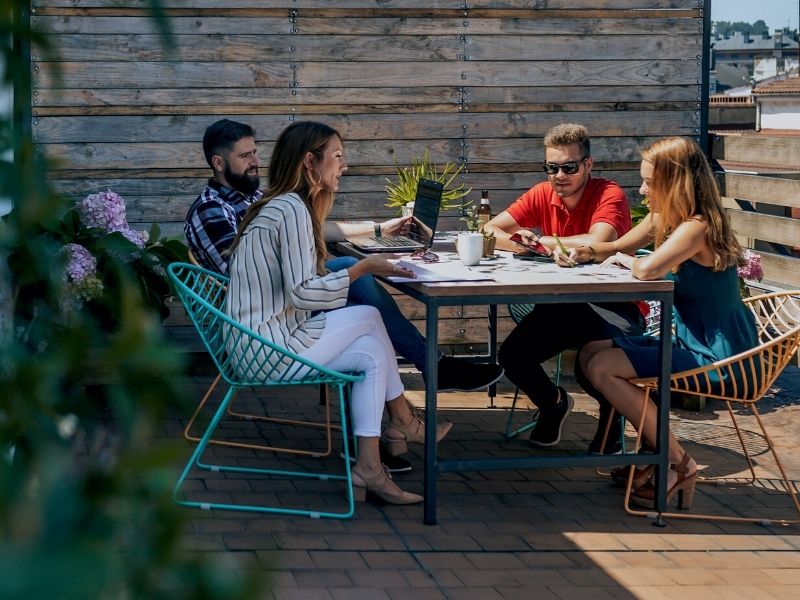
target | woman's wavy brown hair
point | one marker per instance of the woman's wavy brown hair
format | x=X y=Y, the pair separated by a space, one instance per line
x=683 y=186
x=287 y=174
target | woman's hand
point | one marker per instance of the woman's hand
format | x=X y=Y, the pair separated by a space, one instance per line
x=398 y=226
x=375 y=264
x=624 y=260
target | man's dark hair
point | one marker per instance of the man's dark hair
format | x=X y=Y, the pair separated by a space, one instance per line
x=223 y=135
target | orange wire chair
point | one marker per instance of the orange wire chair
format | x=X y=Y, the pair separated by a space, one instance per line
x=747 y=377
x=323 y=391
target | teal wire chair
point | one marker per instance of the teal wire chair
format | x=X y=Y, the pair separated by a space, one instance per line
x=244 y=359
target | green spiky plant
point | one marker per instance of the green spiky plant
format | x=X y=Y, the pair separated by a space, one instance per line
x=403 y=190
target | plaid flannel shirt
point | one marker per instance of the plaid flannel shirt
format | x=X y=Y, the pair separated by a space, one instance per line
x=212 y=222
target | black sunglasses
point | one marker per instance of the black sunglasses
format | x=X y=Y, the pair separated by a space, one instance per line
x=425 y=256
x=569 y=168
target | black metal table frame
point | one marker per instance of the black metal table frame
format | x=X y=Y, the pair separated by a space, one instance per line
x=433 y=466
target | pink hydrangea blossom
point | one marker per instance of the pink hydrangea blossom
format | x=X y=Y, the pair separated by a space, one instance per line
x=105 y=210
x=752 y=268
x=80 y=263
x=138 y=238
x=80 y=276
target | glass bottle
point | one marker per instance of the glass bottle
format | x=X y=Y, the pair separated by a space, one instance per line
x=484 y=210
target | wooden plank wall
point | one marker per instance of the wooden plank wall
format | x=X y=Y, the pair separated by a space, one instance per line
x=764 y=208
x=476 y=83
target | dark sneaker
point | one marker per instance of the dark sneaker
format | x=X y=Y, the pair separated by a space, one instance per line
x=547 y=431
x=392 y=464
x=614 y=439
x=459 y=375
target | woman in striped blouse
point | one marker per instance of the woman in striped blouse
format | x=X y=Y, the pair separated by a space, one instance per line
x=280 y=289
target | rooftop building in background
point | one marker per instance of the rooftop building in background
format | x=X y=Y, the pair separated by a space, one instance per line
x=741 y=58
x=778 y=105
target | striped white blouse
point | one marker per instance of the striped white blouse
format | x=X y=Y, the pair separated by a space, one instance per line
x=274 y=287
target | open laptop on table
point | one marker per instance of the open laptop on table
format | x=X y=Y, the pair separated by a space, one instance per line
x=423 y=224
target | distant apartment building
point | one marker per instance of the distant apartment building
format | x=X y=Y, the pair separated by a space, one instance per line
x=741 y=59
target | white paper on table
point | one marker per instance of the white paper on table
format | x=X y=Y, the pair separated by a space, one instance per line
x=441 y=271
x=530 y=272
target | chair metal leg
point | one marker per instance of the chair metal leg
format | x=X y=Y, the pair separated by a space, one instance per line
x=509 y=433
x=187 y=432
x=787 y=483
x=206 y=439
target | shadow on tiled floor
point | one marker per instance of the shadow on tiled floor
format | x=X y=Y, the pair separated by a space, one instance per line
x=509 y=534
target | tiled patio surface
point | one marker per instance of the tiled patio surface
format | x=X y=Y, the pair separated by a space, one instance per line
x=542 y=534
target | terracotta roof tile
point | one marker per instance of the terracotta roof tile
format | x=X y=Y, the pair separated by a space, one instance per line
x=790 y=85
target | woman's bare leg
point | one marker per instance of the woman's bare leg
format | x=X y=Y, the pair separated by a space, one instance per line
x=609 y=370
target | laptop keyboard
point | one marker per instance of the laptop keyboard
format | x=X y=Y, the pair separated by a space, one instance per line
x=395 y=241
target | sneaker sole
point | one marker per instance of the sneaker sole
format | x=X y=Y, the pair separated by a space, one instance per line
x=570 y=404
x=475 y=389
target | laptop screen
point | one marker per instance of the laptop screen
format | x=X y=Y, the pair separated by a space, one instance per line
x=426 y=211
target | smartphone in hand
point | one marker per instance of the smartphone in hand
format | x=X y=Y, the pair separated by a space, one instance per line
x=535 y=248
x=533 y=255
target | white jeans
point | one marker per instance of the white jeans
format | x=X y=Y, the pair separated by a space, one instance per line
x=355 y=340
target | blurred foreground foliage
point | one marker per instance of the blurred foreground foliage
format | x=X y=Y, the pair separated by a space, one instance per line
x=85 y=479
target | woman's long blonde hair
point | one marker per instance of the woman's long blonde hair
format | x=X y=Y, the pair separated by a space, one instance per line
x=683 y=186
x=287 y=173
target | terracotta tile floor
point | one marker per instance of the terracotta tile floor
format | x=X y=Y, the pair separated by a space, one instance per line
x=544 y=534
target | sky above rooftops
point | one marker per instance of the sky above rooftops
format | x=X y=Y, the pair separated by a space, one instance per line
x=777 y=14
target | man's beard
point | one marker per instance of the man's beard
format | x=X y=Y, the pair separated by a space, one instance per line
x=241 y=182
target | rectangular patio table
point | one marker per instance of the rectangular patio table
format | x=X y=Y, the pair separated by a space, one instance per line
x=528 y=282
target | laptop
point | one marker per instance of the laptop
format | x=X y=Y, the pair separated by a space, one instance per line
x=423 y=224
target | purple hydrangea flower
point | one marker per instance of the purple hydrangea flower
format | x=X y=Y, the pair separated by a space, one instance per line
x=138 y=238
x=105 y=210
x=80 y=263
x=752 y=268
x=80 y=275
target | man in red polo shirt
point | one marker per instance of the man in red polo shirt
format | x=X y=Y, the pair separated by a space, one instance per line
x=580 y=210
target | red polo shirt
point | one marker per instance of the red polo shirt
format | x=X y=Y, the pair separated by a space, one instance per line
x=603 y=201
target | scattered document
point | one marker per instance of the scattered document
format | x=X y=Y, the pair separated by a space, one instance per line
x=441 y=271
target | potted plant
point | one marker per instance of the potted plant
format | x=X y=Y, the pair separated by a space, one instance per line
x=403 y=190
x=470 y=217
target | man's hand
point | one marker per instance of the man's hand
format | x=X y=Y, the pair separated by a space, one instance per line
x=397 y=226
x=528 y=237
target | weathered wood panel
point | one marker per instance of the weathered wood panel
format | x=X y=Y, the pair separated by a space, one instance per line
x=757 y=150
x=784 y=271
x=477 y=84
x=775 y=190
x=768 y=228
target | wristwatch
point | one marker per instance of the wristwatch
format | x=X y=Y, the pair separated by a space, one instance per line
x=377 y=227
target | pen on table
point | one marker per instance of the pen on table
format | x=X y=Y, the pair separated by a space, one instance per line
x=564 y=251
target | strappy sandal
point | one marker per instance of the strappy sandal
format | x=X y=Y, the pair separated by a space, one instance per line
x=684 y=487
x=381 y=485
x=641 y=475
x=397 y=437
